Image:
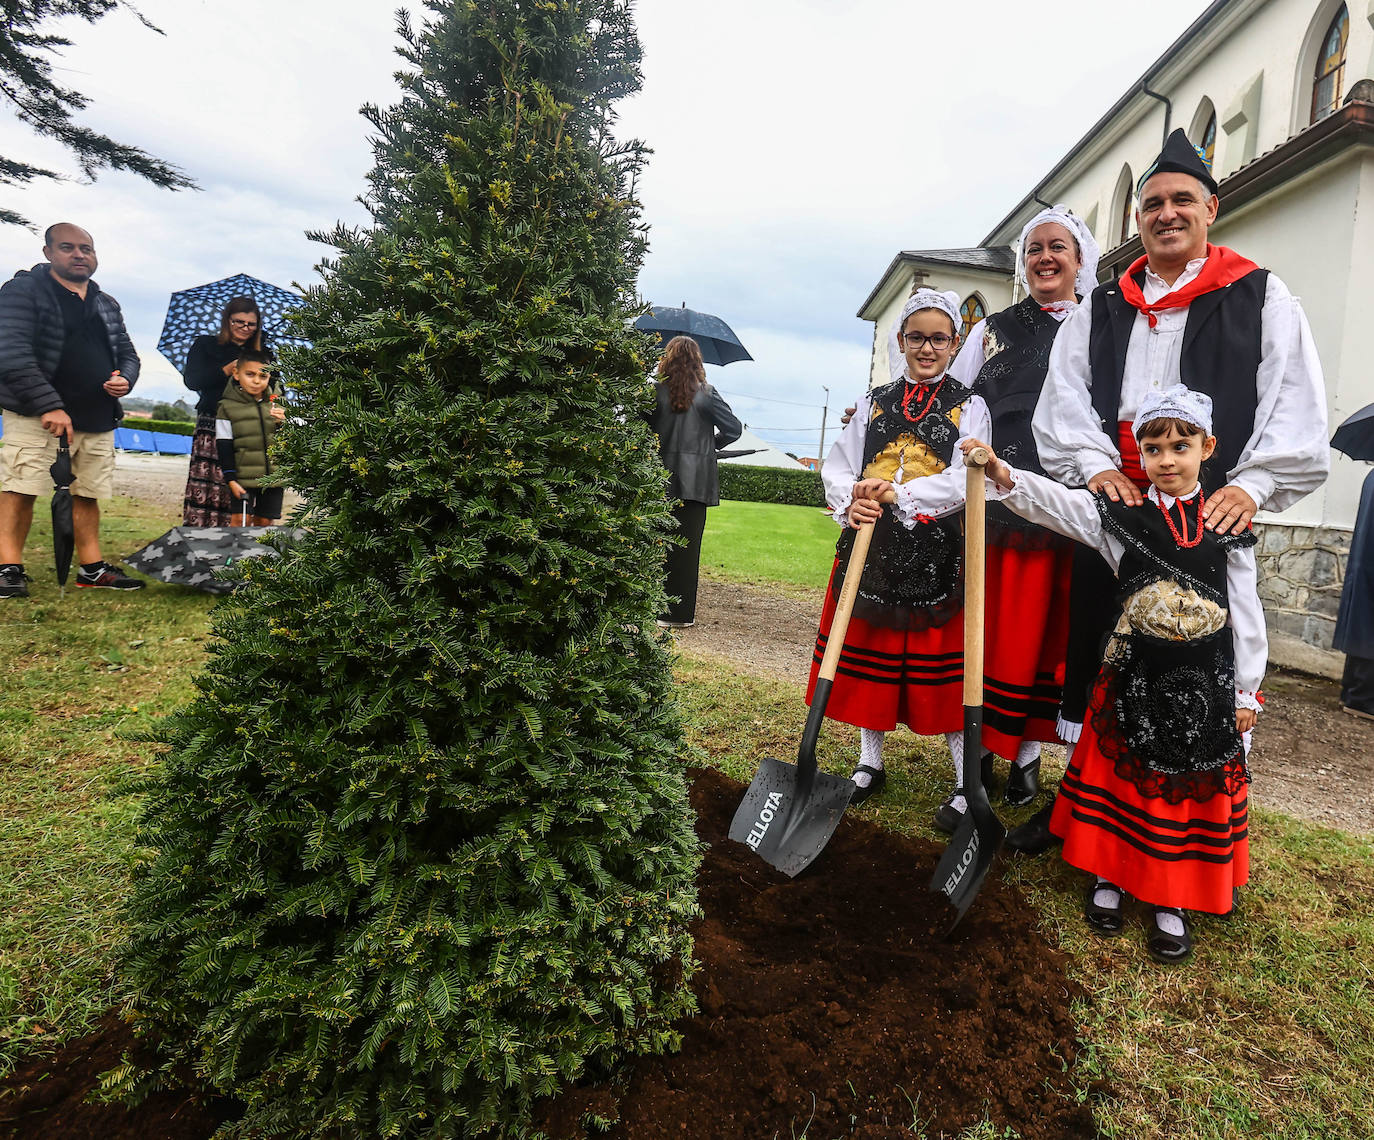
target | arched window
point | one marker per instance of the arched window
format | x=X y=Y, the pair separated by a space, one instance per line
x=1125 y=199
x=1330 y=70
x=1203 y=132
x=972 y=311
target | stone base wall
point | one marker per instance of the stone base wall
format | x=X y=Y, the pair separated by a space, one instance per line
x=1301 y=569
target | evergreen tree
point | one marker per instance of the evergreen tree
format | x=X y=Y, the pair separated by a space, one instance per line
x=420 y=851
x=39 y=102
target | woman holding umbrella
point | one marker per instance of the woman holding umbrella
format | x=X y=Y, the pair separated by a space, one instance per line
x=209 y=364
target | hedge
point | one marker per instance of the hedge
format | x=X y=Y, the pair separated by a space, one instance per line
x=771 y=485
x=170 y=427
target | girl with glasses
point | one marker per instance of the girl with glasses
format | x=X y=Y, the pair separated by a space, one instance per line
x=209 y=366
x=903 y=657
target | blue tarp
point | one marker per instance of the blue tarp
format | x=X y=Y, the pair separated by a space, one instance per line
x=169 y=444
x=135 y=439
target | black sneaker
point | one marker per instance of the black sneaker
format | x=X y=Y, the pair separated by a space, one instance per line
x=108 y=578
x=12 y=579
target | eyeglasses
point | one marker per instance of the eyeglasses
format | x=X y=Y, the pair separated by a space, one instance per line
x=243 y=324
x=939 y=342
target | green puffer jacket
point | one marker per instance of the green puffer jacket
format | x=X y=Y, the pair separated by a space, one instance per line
x=244 y=428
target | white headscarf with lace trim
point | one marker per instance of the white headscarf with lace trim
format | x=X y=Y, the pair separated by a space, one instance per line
x=1088 y=251
x=923 y=298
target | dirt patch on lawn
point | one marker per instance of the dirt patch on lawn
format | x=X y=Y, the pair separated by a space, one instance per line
x=1310 y=759
x=833 y=1004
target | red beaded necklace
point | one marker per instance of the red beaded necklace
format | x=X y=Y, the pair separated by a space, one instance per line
x=911 y=389
x=1183 y=540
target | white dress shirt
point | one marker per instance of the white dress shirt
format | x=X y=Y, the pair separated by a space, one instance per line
x=933 y=496
x=1073 y=512
x=1286 y=456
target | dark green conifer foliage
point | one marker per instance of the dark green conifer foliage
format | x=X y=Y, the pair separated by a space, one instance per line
x=420 y=851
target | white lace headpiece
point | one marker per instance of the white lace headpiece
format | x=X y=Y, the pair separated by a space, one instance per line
x=923 y=298
x=1088 y=250
x=1179 y=403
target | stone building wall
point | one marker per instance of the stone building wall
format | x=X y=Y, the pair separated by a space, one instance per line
x=1301 y=569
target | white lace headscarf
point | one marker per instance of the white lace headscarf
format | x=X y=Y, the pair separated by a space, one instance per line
x=923 y=298
x=1177 y=403
x=1088 y=250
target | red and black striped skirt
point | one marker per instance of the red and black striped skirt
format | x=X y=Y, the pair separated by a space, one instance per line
x=1190 y=855
x=1026 y=635
x=888 y=677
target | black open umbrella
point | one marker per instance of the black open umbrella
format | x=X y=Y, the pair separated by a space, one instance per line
x=63 y=533
x=718 y=342
x=1355 y=437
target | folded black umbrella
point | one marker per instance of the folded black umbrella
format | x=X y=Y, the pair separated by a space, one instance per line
x=63 y=532
x=1355 y=437
x=190 y=555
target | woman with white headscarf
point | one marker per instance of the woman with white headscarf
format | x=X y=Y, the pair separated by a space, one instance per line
x=903 y=656
x=1028 y=567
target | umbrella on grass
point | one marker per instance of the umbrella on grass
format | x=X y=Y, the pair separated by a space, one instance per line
x=1355 y=437
x=190 y=555
x=717 y=340
x=63 y=532
x=192 y=312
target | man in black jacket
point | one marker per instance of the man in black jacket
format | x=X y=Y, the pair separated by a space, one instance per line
x=65 y=359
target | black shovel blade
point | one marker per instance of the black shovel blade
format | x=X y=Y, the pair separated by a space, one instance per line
x=786 y=823
x=962 y=868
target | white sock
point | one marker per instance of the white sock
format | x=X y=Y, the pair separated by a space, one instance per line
x=1106 y=893
x=1170 y=921
x=955 y=740
x=870 y=753
x=1027 y=753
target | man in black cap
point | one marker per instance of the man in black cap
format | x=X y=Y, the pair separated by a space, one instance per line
x=1186 y=312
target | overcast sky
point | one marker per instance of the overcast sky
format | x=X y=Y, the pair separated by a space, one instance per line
x=797 y=145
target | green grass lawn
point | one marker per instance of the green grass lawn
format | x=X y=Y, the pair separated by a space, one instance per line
x=1269 y=1032
x=769 y=544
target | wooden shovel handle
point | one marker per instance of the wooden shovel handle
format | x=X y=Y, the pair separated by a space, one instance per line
x=975 y=537
x=839 y=625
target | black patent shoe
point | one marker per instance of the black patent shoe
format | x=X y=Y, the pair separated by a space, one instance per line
x=877 y=780
x=1034 y=837
x=1106 y=920
x=947 y=816
x=1168 y=949
x=1023 y=785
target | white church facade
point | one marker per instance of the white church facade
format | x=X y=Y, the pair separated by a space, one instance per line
x=1281 y=93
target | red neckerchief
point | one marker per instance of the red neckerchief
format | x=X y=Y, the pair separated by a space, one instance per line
x=1223 y=266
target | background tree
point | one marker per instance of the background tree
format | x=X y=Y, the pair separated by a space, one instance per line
x=26 y=81
x=421 y=851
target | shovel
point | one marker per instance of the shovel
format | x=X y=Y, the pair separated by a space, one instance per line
x=964 y=865
x=789 y=812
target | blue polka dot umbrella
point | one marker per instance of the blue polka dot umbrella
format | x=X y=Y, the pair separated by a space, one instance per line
x=196 y=311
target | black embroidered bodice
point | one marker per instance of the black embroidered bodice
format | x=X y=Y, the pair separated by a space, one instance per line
x=1016 y=357
x=1167 y=717
x=914 y=578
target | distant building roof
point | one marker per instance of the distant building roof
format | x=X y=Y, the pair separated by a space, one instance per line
x=986 y=259
x=761 y=453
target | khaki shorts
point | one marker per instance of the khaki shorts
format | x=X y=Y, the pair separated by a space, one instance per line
x=27 y=451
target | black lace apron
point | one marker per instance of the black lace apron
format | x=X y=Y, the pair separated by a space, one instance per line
x=914 y=578
x=1167 y=720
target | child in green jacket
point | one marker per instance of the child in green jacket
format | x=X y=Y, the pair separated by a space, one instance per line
x=245 y=423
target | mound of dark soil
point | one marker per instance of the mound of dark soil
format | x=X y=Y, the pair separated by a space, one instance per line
x=831 y=1004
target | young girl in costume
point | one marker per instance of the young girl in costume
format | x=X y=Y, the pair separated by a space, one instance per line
x=1154 y=800
x=903 y=659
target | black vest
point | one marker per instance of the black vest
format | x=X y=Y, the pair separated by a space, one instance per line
x=1010 y=381
x=914 y=578
x=1221 y=355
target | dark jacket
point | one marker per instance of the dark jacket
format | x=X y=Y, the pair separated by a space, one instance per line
x=244 y=428
x=31 y=337
x=688 y=442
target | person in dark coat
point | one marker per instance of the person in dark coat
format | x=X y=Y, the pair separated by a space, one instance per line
x=692 y=421
x=209 y=367
x=1355 y=621
x=65 y=359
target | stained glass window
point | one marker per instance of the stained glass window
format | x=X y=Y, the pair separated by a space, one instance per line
x=1326 y=83
x=1128 y=183
x=1209 y=141
x=972 y=312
